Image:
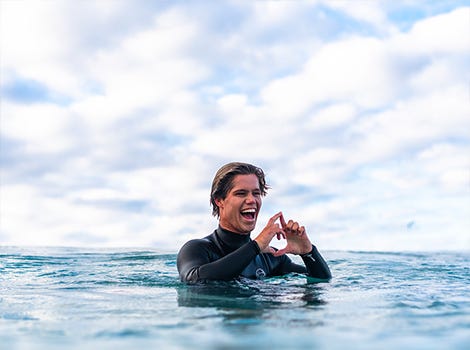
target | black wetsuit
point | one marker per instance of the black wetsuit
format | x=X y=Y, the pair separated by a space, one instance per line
x=225 y=255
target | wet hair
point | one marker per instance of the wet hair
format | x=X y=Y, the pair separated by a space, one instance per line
x=223 y=181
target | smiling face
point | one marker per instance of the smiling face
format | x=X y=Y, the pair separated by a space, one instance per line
x=239 y=209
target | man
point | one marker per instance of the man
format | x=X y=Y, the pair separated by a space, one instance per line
x=229 y=252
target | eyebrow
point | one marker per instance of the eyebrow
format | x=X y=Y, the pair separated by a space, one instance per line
x=246 y=190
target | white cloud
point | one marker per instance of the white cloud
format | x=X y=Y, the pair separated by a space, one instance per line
x=413 y=123
x=354 y=69
x=34 y=44
x=366 y=12
x=43 y=128
x=448 y=166
x=441 y=34
x=270 y=13
x=334 y=116
x=144 y=72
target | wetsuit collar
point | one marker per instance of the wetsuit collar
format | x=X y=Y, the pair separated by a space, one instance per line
x=232 y=240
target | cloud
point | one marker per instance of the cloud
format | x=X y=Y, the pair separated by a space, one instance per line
x=112 y=129
x=42 y=128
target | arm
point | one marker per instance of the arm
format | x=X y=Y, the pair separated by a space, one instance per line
x=196 y=262
x=315 y=266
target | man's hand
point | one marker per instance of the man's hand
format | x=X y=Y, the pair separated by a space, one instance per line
x=297 y=239
x=272 y=229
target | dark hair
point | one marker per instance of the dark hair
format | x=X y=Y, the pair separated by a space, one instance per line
x=223 y=181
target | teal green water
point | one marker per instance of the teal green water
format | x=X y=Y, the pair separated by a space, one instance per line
x=60 y=298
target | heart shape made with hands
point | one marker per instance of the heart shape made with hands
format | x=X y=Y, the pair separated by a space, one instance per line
x=295 y=235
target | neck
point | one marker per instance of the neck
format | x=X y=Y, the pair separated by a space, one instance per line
x=231 y=239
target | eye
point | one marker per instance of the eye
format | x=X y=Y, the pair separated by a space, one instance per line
x=240 y=193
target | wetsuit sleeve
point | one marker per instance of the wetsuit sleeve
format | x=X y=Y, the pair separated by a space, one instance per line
x=315 y=266
x=196 y=263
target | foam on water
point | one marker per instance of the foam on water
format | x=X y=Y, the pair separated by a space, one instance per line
x=103 y=299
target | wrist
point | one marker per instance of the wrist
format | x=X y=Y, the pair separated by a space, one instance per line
x=308 y=254
x=262 y=245
x=257 y=247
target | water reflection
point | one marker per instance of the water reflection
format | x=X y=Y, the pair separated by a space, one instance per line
x=244 y=294
x=254 y=306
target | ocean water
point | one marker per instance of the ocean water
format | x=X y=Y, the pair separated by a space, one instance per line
x=62 y=298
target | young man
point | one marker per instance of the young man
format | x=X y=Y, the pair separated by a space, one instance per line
x=229 y=252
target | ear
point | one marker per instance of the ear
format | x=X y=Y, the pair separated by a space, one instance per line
x=219 y=202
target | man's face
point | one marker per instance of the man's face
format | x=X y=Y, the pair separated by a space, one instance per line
x=238 y=211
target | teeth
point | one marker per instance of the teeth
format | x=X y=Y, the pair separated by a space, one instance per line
x=249 y=211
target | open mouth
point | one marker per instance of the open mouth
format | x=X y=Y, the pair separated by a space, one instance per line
x=249 y=214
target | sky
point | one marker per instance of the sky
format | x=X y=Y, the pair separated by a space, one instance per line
x=115 y=116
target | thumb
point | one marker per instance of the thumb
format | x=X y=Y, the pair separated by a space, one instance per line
x=269 y=250
x=280 y=252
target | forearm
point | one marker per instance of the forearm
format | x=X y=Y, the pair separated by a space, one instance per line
x=316 y=265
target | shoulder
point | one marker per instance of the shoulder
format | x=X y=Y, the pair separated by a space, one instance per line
x=198 y=245
x=196 y=252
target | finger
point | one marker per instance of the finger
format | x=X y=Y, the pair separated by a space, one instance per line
x=283 y=222
x=295 y=227
x=289 y=226
x=274 y=218
x=302 y=230
x=276 y=228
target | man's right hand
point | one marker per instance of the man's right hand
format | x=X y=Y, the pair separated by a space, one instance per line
x=267 y=234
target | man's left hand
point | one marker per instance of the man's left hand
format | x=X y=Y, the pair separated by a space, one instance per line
x=297 y=240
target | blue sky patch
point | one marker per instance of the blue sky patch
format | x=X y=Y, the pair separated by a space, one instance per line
x=25 y=91
x=28 y=91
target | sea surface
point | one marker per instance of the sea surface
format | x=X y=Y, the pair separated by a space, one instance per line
x=63 y=298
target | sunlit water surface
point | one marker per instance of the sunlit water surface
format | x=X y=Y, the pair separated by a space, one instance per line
x=61 y=298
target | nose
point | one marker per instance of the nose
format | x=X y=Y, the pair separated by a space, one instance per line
x=250 y=198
